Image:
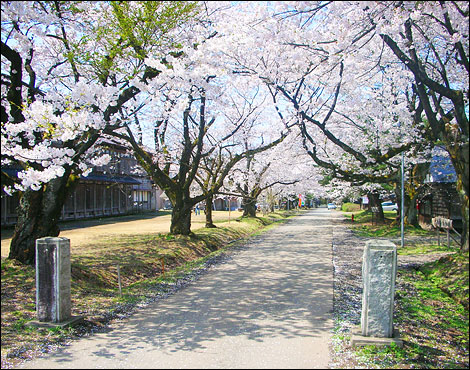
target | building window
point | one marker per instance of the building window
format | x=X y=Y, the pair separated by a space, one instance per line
x=141 y=196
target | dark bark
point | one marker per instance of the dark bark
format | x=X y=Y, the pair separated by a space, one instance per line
x=464 y=242
x=461 y=162
x=374 y=199
x=38 y=216
x=22 y=246
x=249 y=207
x=411 y=215
x=181 y=218
x=413 y=187
x=208 y=211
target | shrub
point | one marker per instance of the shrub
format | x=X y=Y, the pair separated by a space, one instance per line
x=350 y=207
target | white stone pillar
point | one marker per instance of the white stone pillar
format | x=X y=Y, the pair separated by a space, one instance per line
x=379 y=267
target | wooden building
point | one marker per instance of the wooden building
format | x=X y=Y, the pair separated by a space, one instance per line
x=117 y=188
x=439 y=197
x=221 y=203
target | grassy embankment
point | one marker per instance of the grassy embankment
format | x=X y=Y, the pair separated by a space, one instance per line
x=150 y=265
x=431 y=303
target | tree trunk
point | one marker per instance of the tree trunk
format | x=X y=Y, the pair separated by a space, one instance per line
x=209 y=222
x=249 y=207
x=411 y=215
x=374 y=200
x=38 y=217
x=465 y=224
x=459 y=155
x=181 y=218
x=463 y=187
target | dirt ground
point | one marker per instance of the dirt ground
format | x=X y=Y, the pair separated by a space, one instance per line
x=87 y=231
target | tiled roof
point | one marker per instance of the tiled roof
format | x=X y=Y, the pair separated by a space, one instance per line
x=110 y=178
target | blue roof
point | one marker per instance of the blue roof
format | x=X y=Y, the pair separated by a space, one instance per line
x=441 y=168
x=12 y=172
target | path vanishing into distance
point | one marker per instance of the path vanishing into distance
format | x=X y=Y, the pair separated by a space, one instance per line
x=269 y=304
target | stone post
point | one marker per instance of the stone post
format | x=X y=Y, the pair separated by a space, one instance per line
x=379 y=267
x=53 y=302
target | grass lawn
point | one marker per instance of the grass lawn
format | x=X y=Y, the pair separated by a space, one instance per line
x=101 y=228
x=365 y=225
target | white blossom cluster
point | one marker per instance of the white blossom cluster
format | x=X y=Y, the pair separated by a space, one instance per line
x=259 y=67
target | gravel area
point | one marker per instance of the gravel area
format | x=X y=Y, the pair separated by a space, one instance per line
x=347 y=291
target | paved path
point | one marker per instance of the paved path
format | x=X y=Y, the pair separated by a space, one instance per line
x=267 y=306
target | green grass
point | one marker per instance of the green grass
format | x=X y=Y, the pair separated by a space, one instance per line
x=431 y=313
x=364 y=226
x=451 y=275
x=424 y=249
x=365 y=216
x=350 y=207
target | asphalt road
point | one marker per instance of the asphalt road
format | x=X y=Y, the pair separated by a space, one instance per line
x=267 y=306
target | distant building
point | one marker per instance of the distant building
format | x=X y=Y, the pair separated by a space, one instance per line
x=223 y=203
x=117 y=188
x=439 y=196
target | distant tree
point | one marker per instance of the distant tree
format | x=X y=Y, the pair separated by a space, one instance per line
x=189 y=143
x=274 y=170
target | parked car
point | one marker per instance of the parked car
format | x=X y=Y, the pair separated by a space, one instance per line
x=331 y=206
x=389 y=206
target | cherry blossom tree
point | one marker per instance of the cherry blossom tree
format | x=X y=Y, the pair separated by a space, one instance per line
x=199 y=130
x=329 y=102
x=428 y=42
x=67 y=69
x=280 y=170
x=394 y=74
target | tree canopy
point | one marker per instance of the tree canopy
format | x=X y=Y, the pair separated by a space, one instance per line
x=356 y=83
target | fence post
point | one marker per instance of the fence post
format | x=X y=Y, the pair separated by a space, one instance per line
x=119 y=280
